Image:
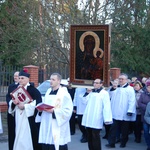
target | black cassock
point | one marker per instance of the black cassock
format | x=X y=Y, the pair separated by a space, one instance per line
x=10 y=118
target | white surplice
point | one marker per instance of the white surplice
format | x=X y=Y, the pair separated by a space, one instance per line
x=77 y=101
x=98 y=110
x=122 y=102
x=56 y=131
x=23 y=138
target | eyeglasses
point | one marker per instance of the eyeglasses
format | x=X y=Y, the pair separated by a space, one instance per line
x=96 y=83
x=122 y=79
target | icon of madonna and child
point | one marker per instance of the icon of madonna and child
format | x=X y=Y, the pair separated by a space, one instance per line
x=89 y=65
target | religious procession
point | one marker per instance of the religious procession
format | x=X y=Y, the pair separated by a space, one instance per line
x=117 y=112
x=74 y=75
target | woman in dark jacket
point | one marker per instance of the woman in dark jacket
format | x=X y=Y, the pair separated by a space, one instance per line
x=143 y=101
x=138 y=123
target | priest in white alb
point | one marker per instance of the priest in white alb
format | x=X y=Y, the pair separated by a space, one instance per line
x=54 y=129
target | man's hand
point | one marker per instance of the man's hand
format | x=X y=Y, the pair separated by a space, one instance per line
x=15 y=101
x=49 y=110
x=107 y=123
x=21 y=106
x=129 y=114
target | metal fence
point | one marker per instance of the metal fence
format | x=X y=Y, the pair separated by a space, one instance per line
x=7 y=72
x=6 y=78
x=61 y=68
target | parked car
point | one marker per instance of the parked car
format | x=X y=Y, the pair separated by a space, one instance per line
x=43 y=87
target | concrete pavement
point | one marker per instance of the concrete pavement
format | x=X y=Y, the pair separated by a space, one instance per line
x=131 y=145
x=76 y=145
x=4 y=146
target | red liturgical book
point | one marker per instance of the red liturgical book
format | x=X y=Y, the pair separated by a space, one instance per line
x=42 y=106
x=22 y=94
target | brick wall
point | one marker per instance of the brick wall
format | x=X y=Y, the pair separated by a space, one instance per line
x=3 y=107
x=33 y=71
x=114 y=73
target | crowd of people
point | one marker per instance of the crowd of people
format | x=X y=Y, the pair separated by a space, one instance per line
x=129 y=102
x=121 y=109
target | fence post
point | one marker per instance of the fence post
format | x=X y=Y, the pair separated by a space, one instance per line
x=33 y=71
x=114 y=73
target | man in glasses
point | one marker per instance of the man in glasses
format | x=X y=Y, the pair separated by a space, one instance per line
x=97 y=112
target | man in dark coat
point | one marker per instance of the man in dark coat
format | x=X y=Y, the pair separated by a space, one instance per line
x=10 y=118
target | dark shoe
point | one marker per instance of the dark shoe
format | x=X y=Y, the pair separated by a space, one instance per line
x=83 y=140
x=110 y=145
x=137 y=140
x=118 y=140
x=72 y=133
x=105 y=137
x=122 y=145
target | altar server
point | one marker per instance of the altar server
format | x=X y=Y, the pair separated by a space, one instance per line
x=97 y=112
x=123 y=104
x=79 y=108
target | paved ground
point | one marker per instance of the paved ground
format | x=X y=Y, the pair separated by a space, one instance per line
x=131 y=145
x=75 y=143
